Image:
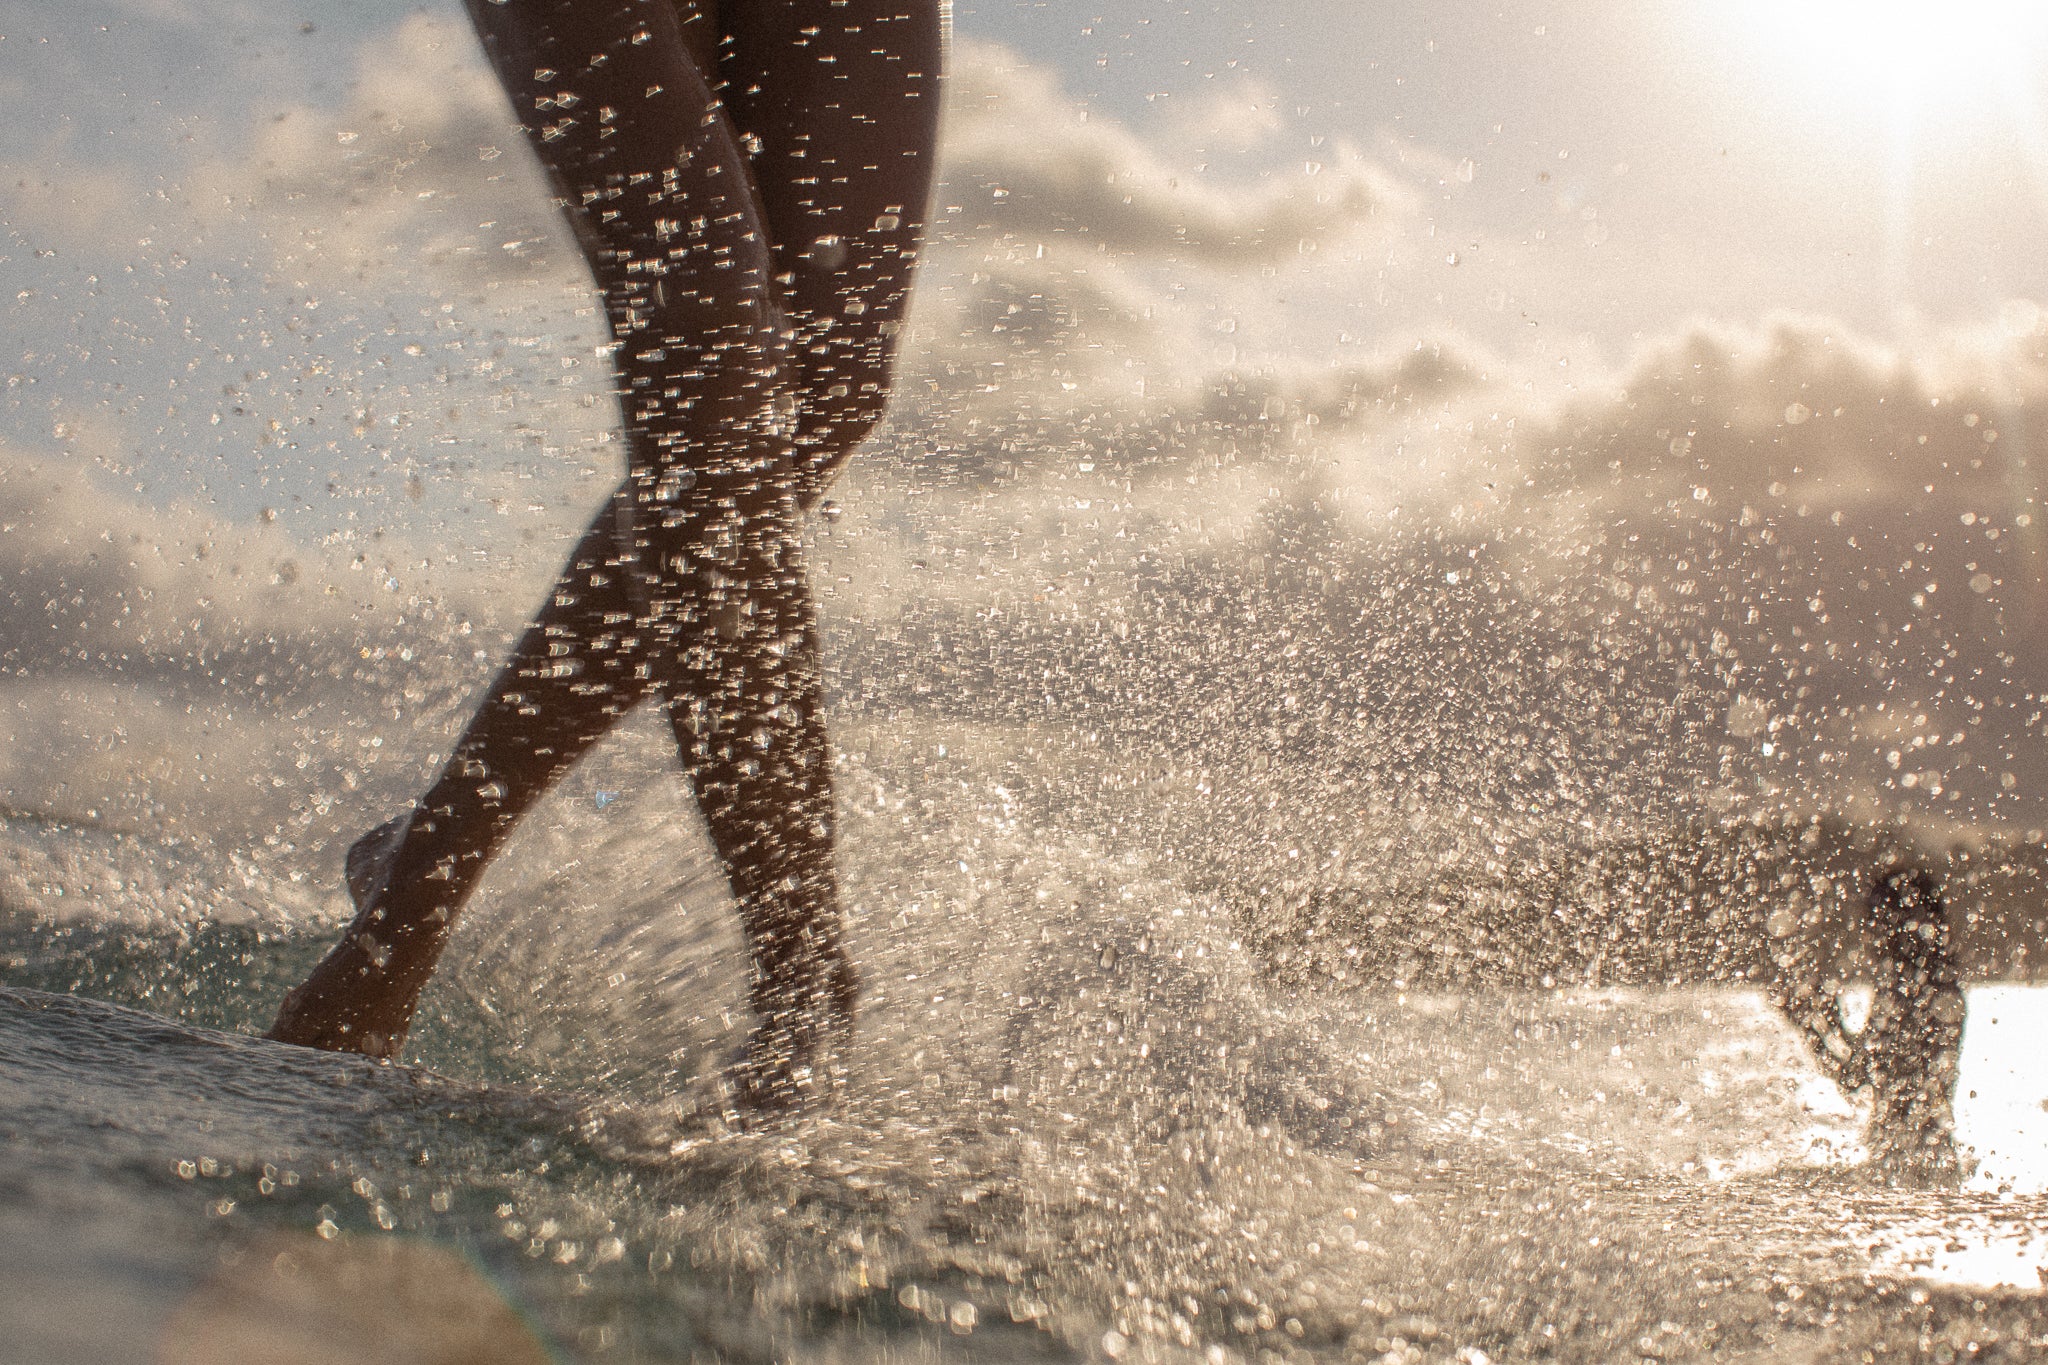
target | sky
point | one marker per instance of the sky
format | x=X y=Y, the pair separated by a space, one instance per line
x=1677 y=159
x=1706 y=336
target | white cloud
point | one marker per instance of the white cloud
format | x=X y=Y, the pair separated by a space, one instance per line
x=1022 y=159
x=1234 y=117
x=423 y=173
x=419 y=179
x=1827 y=549
x=162 y=664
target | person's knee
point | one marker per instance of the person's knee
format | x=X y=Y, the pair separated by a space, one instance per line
x=842 y=400
x=820 y=461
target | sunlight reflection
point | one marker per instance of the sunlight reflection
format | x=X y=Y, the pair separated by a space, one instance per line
x=1978 y=1257
x=2004 y=1085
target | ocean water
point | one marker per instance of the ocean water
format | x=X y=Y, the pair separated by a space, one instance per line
x=1084 y=1121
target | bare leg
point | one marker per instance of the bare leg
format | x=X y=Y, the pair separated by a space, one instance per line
x=699 y=593
x=1817 y=1013
x=752 y=733
x=737 y=661
x=570 y=678
x=842 y=100
x=1915 y=1034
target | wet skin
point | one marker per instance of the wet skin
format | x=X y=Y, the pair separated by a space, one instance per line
x=753 y=223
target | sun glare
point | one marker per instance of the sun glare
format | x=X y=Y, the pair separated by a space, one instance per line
x=1938 y=49
x=1914 y=91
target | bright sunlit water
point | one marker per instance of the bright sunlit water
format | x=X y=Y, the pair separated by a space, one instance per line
x=2002 y=1096
x=1079 y=1108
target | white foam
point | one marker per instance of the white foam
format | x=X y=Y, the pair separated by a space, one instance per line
x=1975 y=1257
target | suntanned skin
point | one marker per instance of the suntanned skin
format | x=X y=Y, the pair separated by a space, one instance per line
x=753 y=223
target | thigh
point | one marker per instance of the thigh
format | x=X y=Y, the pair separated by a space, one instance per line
x=839 y=101
x=659 y=190
x=614 y=102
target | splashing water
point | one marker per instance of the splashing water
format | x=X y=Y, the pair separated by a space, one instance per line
x=1081 y=1121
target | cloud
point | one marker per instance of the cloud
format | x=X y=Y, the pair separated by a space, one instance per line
x=1821 y=544
x=423 y=168
x=420 y=176
x=162 y=664
x=1239 y=116
x=418 y=179
x=1021 y=159
x=1835 y=546
x=1779 y=565
x=1347 y=396
x=1866 y=527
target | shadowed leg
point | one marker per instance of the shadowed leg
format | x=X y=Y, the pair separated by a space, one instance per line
x=750 y=724
x=578 y=668
x=842 y=102
x=699 y=593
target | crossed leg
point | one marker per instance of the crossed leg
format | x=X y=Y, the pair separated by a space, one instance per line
x=689 y=585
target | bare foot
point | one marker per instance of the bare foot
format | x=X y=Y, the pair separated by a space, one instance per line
x=361 y=996
x=348 y=1004
x=793 y=1059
